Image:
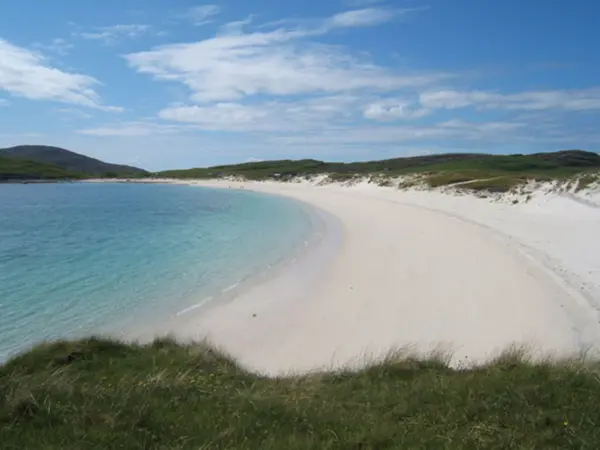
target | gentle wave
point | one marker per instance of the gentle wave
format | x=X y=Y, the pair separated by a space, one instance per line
x=193 y=307
x=230 y=288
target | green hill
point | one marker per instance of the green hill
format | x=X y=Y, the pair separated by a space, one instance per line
x=501 y=171
x=69 y=161
x=99 y=394
x=17 y=169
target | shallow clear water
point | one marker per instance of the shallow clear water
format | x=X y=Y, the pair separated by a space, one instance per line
x=82 y=258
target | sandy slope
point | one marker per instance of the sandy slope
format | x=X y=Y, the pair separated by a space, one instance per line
x=422 y=270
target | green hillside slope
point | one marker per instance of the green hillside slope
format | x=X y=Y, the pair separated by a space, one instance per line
x=69 y=160
x=17 y=169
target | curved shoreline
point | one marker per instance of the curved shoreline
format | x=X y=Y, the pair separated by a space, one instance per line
x=320 y=237
x=405 y=278
x=309 y=255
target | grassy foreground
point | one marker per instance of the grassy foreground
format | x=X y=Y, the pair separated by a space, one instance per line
x=101 y=394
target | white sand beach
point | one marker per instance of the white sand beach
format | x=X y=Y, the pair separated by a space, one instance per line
x=422 y=271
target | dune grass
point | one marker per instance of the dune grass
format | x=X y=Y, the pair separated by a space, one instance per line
x=587 y=180
x=503 y=172
x=102 y=394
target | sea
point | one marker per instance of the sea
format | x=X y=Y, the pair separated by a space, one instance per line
x=78 y=259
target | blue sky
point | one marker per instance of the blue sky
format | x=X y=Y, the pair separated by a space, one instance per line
x=178 y=83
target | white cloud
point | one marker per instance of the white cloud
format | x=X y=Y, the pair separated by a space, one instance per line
x=27 y=74
x=111 y=34
x=332 y=119
x=279 y=62
x=273 y=116
x=74 y=113
x=362 y=17
x=235 y=28
x=277 y=86
x=459 y=124
x=392 y=109
x=449 y=99
x=569 y=100
x=58 y=45
x=136 y=128
x=377 y=135
x=229 y=116
x=200 y=15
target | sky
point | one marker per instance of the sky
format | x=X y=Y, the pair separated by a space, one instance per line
x=166 y=84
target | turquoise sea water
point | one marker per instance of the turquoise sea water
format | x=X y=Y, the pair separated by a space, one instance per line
x=77 y=259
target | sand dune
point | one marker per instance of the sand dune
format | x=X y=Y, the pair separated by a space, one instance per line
x=420 y=270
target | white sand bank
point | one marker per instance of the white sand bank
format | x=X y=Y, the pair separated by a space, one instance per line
x=421 y=270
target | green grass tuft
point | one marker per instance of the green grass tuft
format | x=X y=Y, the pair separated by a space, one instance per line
x=497 y=184
x=101 y=394
x=586 y=181
x=445 y=179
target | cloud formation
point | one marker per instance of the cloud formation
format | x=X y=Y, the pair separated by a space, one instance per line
x=273 y=116
x=363 y=17
x=278 y=81
x=280 y=62
x=111 y=34
x=58 y=46
x=202 y=14
x=134 y=128
x=569 y=100
x=394 y=109
x=377 y=135
x=24 y=73
x=293 y=85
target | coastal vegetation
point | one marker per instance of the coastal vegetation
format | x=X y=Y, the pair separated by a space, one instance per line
x=472 y=170
x=46 y=160
x=17 y=169
x=103 y=394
